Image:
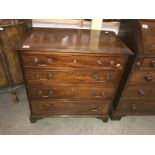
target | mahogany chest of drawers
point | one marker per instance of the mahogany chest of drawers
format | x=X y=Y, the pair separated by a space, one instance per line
x=71 y=72
x=138 y=95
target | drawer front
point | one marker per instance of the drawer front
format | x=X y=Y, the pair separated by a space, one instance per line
x=145 y=62
x=77 y=61
x=70 y=107
x=56 y=77
x=143 y=76
x=139 y=91
x=136 y=107
x=77 y=92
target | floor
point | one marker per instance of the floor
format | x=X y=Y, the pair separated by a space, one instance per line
x=14 y=120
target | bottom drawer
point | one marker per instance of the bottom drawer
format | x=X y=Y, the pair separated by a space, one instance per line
x=69 y=107
x=136 y=107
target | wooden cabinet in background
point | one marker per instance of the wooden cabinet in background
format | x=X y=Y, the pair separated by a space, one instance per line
x=11 y=31
x=71 y=72
x=137 y=97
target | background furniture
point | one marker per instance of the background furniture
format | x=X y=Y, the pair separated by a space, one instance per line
x=11 y=31
x=71 y=72
x=107 y=25
x=138 y=95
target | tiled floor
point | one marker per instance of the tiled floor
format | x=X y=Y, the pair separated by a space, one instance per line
x=14 y=119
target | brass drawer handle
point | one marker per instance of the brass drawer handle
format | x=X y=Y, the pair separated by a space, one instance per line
x=153 y=63
x=35 y=60
x=49 y=76
x=107 y=77
x=133 y=107
x=147 y=78
x=96 y=109
x=45 y=96
x=42 y=65
x=96 y=76
x=141 y=92
x=138 y=64
x=49 y=61
x=99 y=62
x=112 y=63
x=44 y=79
x=37 y=76
x=118 y=65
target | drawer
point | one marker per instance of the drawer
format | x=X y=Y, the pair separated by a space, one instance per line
x=133 y=91
x=145 y=62
x=136 y=107
x=78 y=92
x=71 y=61
x=69 y=107
x=57 y=77
x=143 y=76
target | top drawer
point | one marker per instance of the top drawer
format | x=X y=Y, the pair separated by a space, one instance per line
x=72 y=61
x=145 y=63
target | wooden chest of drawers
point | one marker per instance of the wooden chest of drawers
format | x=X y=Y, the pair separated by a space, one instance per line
x=69 y=72
x=138 y=96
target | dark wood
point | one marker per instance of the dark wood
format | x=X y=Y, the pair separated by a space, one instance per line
x=139 y=91
x=11 y=31
x=142 y=77
x=50 y=107
x=71 y=92
x=63 y=77
x=145 y=62
x=68 y=72
x=61 y=60
x=115 y=117
x=138 y=97
x=137 y=107
x=72 y=40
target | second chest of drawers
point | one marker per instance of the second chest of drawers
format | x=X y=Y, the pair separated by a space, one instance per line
x=138 y=95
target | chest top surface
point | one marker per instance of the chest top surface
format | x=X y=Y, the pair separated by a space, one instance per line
x=72 y=40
